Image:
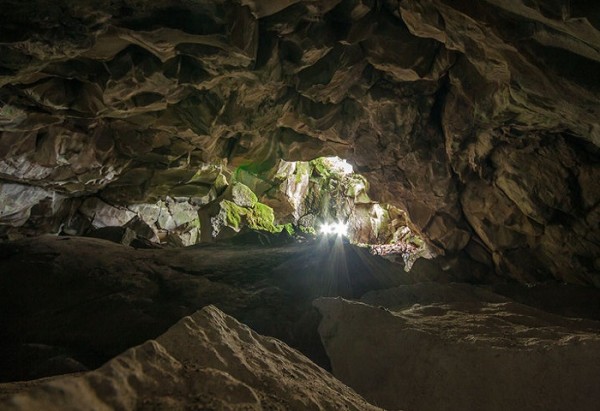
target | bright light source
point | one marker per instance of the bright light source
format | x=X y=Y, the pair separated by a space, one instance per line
x=338 y=165
x=334 y=228
x=341 y=229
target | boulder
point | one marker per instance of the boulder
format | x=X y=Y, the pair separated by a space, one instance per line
x=458 y=347
x=206 y=361
x=91 y=299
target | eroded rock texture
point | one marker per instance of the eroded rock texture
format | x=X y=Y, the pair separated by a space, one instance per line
x=480 y=119
x=205 y=361
x=455 y=347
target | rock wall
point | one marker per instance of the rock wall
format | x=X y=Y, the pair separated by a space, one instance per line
x=478 y=119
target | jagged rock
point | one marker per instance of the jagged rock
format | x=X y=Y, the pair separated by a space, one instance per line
x=102 y=214
x=445 y=107
x=242 y=195
x=455 y=347
x=17 y=201
x=236 y=209
x=206 y=361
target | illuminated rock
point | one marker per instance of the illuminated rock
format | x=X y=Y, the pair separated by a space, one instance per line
x=206 y=361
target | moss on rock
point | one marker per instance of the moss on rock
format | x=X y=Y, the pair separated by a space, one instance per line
x=262 y=218
x=321 y=167
x=258 y=217
x=231 y=214
x=289 y=228
x=303 y=168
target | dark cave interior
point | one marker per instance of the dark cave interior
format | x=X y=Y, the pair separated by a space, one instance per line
x=168 y=167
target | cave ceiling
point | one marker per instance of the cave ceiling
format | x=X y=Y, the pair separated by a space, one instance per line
x=479 y=118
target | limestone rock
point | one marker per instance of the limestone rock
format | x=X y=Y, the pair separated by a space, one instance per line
x=102 y=214
x=206 y=361
x=242 y=195
x=17 y=202
x=170 y=221
x=455 y=347
x=287 y=197
x=236 y=209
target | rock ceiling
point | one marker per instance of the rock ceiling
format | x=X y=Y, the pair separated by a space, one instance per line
x=480 y=119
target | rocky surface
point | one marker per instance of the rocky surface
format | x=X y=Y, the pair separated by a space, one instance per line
x=206 y=361
x=478 y=119
x=455 y=347
x=72 y=303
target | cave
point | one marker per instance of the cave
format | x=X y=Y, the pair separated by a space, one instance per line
x=299 y=204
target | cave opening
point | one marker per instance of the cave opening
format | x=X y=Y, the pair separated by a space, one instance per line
x=292 y=200
x=197 y=138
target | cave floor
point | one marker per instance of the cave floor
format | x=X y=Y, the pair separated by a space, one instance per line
x=70 y=304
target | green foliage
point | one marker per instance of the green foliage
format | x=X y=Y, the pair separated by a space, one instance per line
x=321 y=167
x=233 y=213
x=302 y=168
x=261 y=217
x=308 y=230
x=289 y=228
x=258 y=217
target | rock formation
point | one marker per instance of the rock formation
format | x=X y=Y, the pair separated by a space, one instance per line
x=72 y=303
x=456 y=347
x=169 y=123
x=206 y=361
x=480 y=120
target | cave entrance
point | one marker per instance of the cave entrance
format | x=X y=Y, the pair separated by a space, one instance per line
x=289 y=199
x=325 y=197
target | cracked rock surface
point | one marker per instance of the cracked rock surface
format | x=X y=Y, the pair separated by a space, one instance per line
x=71 y=304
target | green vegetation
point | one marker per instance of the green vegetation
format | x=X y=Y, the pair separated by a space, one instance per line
x=321 y=167
x=308 y=230
x=233 y=214
x=302 y=168
x=257 y=217
x=310 y=193
x=262 y=218
x=289 y=228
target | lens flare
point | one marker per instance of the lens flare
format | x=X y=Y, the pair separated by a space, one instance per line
x=334 y=228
